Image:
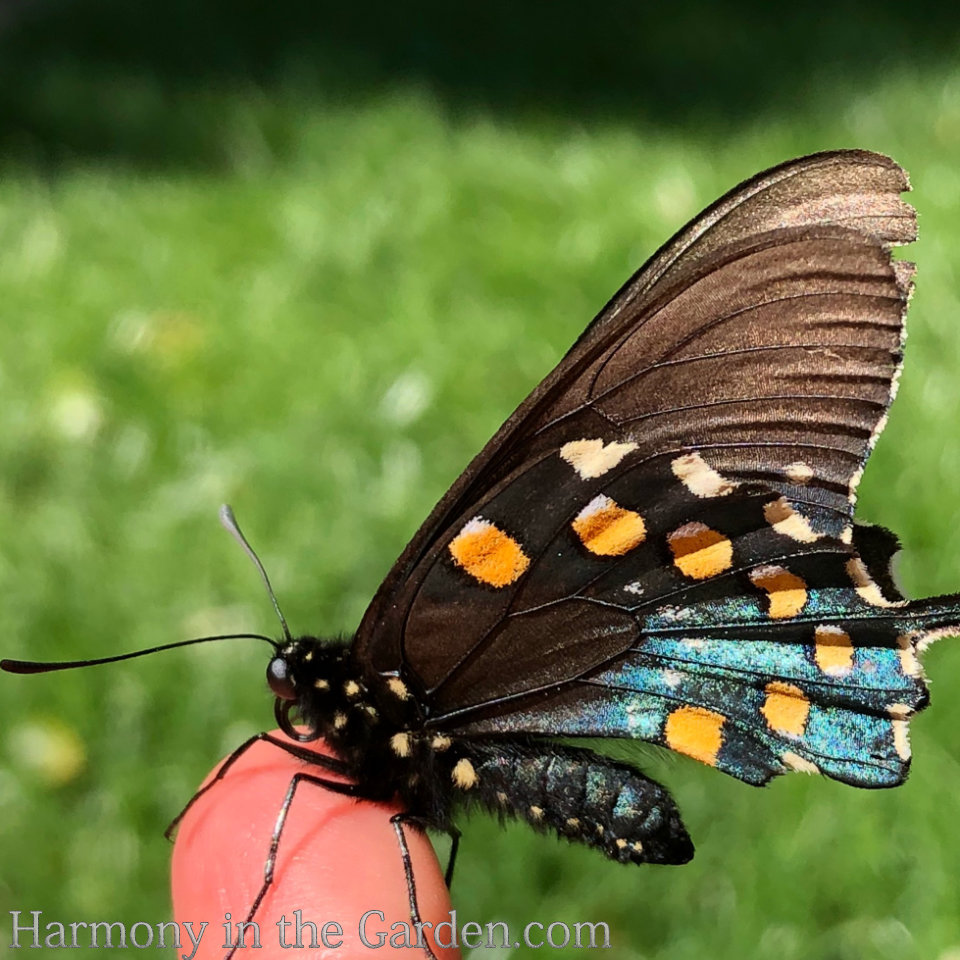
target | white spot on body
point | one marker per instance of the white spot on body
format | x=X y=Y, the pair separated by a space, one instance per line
x=464 y=775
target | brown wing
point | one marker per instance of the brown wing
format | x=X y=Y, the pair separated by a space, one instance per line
x=759 y=346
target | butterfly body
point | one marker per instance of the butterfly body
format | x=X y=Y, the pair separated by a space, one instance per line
x=380 y=733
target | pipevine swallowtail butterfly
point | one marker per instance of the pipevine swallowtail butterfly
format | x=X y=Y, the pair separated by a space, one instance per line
x=658 y=544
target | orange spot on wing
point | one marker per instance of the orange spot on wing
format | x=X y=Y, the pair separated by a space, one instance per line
x=787 y=593
x=696 y=732
x=488 y=554
x=786 y=709
x=700 y=552
x=833 y=652
x=607 y=529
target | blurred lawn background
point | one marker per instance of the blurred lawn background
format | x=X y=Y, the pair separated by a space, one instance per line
x=305 y=258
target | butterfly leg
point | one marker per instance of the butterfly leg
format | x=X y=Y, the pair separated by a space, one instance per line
x=348 y=789
x=398 y=820
x=583 y=796
x=452 y=832
x=454 y=835
x=301 y=753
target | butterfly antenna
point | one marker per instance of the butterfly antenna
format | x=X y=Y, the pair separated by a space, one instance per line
x=233 y=528
x=34 y=666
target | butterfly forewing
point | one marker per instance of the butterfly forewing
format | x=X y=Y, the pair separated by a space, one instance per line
x=659 y=542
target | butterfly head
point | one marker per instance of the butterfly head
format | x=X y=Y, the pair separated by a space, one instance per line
x=301 y=664
x=309 y=677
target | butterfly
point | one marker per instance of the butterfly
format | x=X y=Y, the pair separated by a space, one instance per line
x=659 y=544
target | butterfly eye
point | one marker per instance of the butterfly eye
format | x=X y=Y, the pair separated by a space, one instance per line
x=280 y=679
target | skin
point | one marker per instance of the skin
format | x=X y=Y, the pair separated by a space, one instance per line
x=338 y=858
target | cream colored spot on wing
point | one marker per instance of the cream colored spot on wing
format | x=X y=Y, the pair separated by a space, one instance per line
x=786 y=592
x=321 y=684
x=636 y=846
x=800 y=764
x=696 y=732
x=463 y=774
x=866 y=587
x=901 y=738
x=400 y=743
x=398 y=688
x=798 y=472
x=339 y=720
x=786 y=709
x=440 y=743
x=900 y=711
x=351 y=688
x=607 y=529
x=786 y=521
x=488 y=554
x=909 y=661
x=573 y=823
x=621 y=843
x=536 y=813
x=593 y=458
x=833 y=651
x=699 y=477
x=700 y=552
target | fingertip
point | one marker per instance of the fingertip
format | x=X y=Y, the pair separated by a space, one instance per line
x=337 y=860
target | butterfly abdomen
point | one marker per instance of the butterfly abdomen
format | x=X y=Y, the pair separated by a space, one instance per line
x=581 y=796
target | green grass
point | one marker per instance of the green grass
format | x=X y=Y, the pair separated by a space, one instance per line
x=177 y=335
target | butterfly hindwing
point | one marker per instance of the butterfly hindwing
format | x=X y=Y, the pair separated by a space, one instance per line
x=659 y=542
